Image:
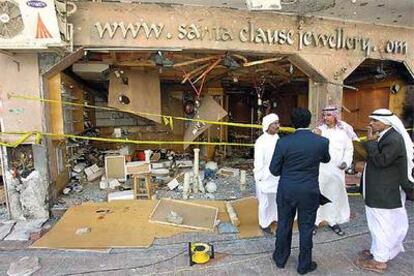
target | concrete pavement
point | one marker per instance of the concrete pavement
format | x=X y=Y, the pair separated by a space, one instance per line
x=333 y=254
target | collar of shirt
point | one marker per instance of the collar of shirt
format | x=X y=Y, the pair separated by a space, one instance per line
x=304 y=128
x=383 y=132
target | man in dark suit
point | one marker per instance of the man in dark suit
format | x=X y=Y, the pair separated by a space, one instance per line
x=388 y=169
x=296 y=160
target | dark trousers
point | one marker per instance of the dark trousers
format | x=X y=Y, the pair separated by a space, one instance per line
x=286 y=209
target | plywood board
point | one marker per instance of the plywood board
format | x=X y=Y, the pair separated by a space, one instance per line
x=247 y=212
x=195 y=216
x=142 y=89
x=115 y=167
x=126 y=225
x=209 y=110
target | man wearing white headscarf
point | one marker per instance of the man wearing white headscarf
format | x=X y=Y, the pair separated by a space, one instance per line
x=332 y=174
x=388 y=169
x=266 y=183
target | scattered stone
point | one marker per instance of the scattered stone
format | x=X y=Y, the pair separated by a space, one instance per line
x=5 y=228
x=113 y=183
x=175 y=218
x=83 y=231
x=211 y=187
x=227 y=228
x=23 y=228
x=24 y=267
x=226 y=171
x=94 y=172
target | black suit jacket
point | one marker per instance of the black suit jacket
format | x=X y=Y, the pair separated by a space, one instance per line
x=386 y=171
x=296 y=160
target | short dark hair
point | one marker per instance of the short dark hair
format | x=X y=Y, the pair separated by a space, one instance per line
x=301 y=117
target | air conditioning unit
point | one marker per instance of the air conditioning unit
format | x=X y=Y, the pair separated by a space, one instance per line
x=28 y=24
x=257 y=5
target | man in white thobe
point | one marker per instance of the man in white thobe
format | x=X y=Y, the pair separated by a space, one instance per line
x=332 y=174
x=388 y=169
x=266 y=183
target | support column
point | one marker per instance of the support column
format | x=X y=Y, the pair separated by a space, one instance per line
x=322 y=94
x=326 y=74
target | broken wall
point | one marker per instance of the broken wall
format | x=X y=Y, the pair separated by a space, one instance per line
x=20 y=75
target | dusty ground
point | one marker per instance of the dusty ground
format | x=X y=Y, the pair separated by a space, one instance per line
x=234 y=257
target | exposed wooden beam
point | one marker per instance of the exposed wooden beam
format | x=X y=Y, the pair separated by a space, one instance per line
x=65 y=63
x=211 y=67
x=257 y=62
x=191 y=73
x=240 y=57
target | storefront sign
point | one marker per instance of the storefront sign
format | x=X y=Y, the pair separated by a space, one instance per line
x=249 y=33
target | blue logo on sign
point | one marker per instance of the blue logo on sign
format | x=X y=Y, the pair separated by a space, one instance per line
x=36 y=4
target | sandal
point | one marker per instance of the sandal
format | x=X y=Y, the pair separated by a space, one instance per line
x=337 y=230
x=365 y=254
x=371 y=265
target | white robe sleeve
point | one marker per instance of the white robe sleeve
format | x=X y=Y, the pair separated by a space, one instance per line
x=348 y=152
x=259 y=161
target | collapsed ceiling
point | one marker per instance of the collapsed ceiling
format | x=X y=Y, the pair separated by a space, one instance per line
x=195 y=70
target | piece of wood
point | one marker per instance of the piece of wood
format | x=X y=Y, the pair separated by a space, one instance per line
x=189 y=74
x=195 y=216
x=115 y=167
x=257 y=62
x=232 y=214
x=209 y=110
x=127 y=226
x=208 y=70
x=142 y=191
x=143 y=90
x=240 y=57
x=138 y=167
x=65 y=63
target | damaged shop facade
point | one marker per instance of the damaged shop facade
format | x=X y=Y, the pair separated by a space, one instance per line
x=149 y=72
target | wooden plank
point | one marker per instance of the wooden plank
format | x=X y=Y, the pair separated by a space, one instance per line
x=56 y=113
x=209 y=110
x=195 y=216
x=257 y=62
x=65 y=63
x=143 y=90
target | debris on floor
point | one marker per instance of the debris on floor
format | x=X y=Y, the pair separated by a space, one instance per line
x=23 y=228
x=24 y=267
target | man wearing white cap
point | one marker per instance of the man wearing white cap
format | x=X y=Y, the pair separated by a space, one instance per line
x=388 y=169
x=332 y=174
x=266 y=183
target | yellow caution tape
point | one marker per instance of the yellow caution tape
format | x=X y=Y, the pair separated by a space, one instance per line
x=19 y=141
x=168 y=120
x=38 y=135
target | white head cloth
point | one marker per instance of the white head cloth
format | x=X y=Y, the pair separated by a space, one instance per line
x=388 y=118
x=349 y=130
x=268 y=120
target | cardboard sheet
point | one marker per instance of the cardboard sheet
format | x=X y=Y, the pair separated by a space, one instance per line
x=115 y=167
x=247 y=210
x=209 y=110
x=125 y=224
x=195 y=216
